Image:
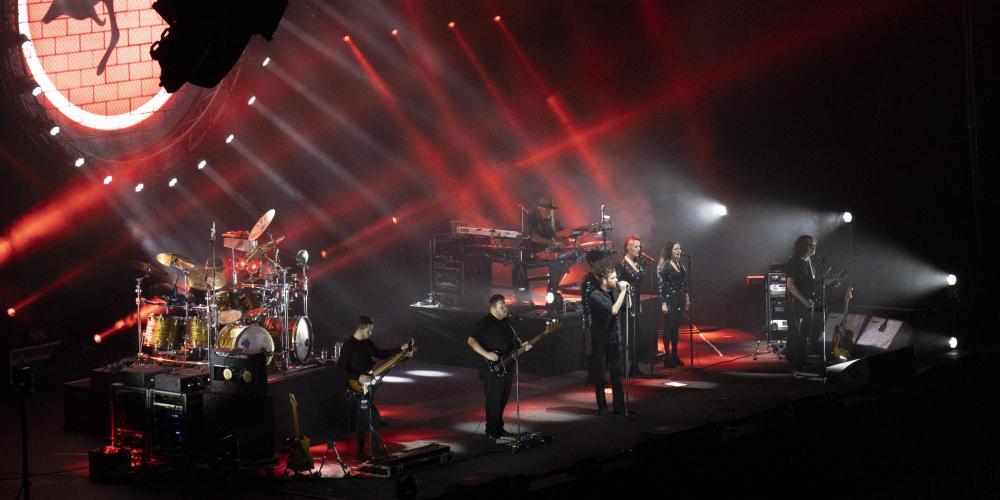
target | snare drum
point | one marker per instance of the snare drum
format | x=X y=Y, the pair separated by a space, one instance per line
x=229 y=306
x=247 y=338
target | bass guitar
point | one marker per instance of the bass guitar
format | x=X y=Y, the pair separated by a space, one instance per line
x=841 y=330
x=363 y=388
x=499 y=367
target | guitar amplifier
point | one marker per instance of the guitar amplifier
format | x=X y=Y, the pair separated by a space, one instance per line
x=237 y=372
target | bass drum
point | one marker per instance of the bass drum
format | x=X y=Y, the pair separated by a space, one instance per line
x=247 y=338
x=299 y=329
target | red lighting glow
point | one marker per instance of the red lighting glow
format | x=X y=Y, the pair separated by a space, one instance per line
x=97 y=338
x=395 y=220
x=496 y=19
x=11 y=312
x=451 y=25
x=395 y=32
x=347 y=38
x=324 y=253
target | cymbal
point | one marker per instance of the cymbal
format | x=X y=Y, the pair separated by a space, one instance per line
x=263 y=249
x=147 y=268
x=261 y=225
x=203 y=278
x=174 y=260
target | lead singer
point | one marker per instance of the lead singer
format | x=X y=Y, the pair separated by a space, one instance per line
x=605 y=303
x=672 y=284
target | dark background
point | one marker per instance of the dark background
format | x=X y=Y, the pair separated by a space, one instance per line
x=787 y=112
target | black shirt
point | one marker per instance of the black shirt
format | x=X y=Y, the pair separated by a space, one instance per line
x=604 y=324
x=589 y=284
x=357 y=356
x=537 y=226
x=494 y=334
x=672 y=285
x=801 y=271
x=628 y=273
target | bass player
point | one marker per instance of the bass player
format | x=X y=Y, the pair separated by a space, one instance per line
x=491 y=337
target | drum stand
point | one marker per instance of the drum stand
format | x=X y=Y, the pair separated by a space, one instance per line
x=138 y=316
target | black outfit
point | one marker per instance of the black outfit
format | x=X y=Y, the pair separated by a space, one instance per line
x=672 y=285
x=587 y=286
x=627 y=273
x=802 y=329
x=605 y=349
x=357 y=358
x=495 y=335
x=535 y=225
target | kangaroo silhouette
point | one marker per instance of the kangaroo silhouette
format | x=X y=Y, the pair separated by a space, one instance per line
x=86 y=9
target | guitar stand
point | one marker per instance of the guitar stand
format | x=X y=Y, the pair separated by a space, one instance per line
x=332 y=445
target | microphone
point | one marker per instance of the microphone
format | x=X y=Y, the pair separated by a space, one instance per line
x=643 y=254
x=213 y=231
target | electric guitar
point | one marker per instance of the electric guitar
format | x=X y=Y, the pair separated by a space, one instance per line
x=363 y=388
x=841 y=330
x=299 y=458
x=499 y=367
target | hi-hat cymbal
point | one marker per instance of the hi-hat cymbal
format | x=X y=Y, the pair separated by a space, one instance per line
x=147 y=268
x=174 y=260
x=263 y=249
x=204 y=278
x=261 y=225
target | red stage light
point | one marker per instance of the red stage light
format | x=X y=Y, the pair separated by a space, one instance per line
x=11 y=312
x=97 y=338
x=347 y=38
x=323 y=254
x=496 y=18
x=451 y=25
x=107 y=180
x=395 y=32
x=395 y=220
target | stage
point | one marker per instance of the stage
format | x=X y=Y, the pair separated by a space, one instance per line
x=723 y=400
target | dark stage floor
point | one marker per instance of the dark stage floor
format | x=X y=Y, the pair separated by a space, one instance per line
x=443 y=404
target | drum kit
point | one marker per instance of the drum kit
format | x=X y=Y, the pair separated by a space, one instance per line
x=255 y=305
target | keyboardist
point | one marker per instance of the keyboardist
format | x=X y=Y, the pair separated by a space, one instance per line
x=541 y=227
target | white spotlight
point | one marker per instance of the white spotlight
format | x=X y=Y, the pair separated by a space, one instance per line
x=173 y=182
x=107 y=180
x=847 y=217
x=550 y=298
x=230 y=138
x=54 y=131
x=953 y=343
x=266 y=60
x=252 y=100
x=201 y=164
x=78 y=163
x=951 y=280
x=720 y=210
x=139 y=186
x=37 y=91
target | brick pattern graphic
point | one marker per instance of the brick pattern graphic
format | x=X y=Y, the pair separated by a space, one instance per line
x=71 y=50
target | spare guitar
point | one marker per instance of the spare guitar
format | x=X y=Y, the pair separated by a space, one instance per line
x=362 y=388
x=841 y=330
x=299 y=458
x=499 y=367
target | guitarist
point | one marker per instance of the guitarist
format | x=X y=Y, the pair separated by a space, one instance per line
x=357 y=357
x=493 y=334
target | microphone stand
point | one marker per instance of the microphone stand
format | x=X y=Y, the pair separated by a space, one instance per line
x=628 y=311
x=516 y=445
x=690 y=315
